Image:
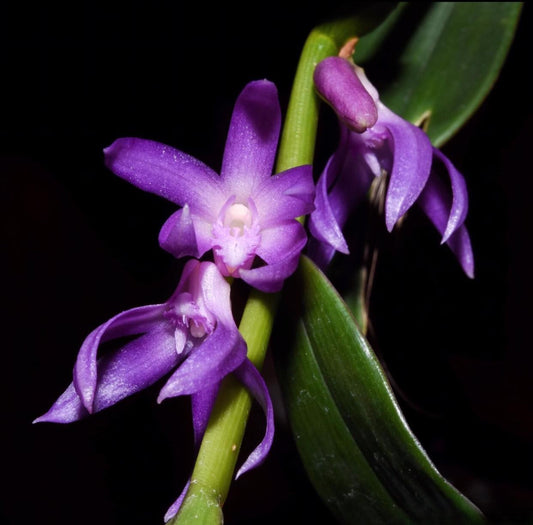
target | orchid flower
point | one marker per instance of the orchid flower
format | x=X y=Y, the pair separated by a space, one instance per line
x=192 y=334
x=366 y=150
x=244 y=215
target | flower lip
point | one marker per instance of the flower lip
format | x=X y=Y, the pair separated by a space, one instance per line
x=236 y=236
x=237 y=217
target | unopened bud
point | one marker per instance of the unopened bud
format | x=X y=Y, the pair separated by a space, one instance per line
x=338 y=83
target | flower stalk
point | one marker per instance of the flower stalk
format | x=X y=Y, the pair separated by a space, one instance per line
x=215 y=464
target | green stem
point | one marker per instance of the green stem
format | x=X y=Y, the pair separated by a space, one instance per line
x=221 y=443
x=297 y=144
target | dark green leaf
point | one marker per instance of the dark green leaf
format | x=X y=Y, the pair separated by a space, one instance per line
x=440 y=59
x=363 y=18
x=351 y=434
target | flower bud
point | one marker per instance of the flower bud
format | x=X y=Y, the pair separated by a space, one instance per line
x=337 y=82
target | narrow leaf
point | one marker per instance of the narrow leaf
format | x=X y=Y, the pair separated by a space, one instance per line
x=440 y=59
x=333 y=460
x=331 y=364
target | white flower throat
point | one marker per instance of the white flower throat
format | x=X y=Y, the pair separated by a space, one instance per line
x=237 y=217
x=236 y=236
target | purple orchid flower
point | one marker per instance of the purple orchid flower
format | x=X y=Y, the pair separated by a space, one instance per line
x=193 y=333
x=390 y=144
x=245 y=215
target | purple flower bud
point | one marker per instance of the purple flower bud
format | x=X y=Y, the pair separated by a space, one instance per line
x=338 y=83
x=390 y=145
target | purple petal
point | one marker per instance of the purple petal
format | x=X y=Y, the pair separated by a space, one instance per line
x=459 y=243
x=173 y=509
x=216 y=294
x=412 y=157
x=129 y=322
x=435 y=202
x=219 y=354
x=342 y=185
x=167 y=172
x=252 y=138
x=269 y=278
x=323 y=223
x=278 y=241
x=355 y=178
x=320 y=252
x=177 y=235
x=337 y=82
x=202 y=404
x=252 y=380
x=66 y=409
x=287 y=195
x=134 y=367
x=459 y=207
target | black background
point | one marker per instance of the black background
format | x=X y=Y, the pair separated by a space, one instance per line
x=80 y=245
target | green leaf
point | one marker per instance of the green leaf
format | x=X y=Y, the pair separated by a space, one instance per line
x=440 y=59
x=364 y=17
x=355 y=444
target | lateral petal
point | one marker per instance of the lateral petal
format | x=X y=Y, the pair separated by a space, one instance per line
x=287 y=195
x=269 y=278
x=252 y=138
x=167 y=172
x=134 y=367
x=202 y=403
x=459 y=206
x=173 y=509
x=412 y=157
x=248 y=374
x=342 y=185
x=177 y=236
x=218 y=355
x=129 y=322
x=435 y=202
x=276 y=242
